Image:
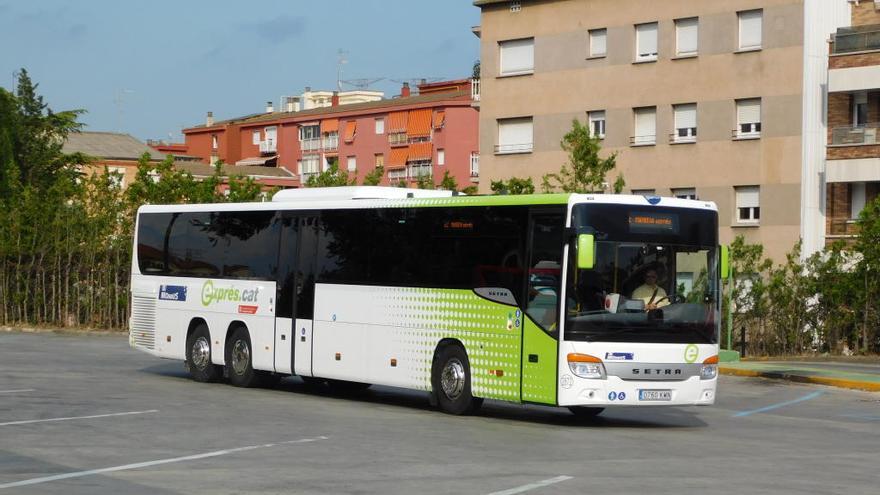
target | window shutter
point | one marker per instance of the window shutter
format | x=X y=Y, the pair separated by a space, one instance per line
x=515 y=135
x=686 y=116
x=747 y=197
x=748 y=111
x=598 y=42
x=646 y=35
x=686 y=36
x=646 y=122
x=517 y=56
x=750 y=27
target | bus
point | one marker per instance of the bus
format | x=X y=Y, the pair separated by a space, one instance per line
x=585 y=301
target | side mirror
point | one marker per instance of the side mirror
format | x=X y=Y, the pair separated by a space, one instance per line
x=724 y=256
x=586 y=255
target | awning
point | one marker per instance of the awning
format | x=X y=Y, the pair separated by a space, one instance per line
x=397 y=158
x=258 y=161
x=329 y=125
x=439 y=119
x=396 y=122
x=419 y=123
x=350 y=129
x=419 y=151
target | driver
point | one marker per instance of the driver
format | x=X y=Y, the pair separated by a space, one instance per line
x=653 y=295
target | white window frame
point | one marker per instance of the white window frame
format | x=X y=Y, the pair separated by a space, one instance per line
x=475 y=164
x=521 y=130
x=748 y=125
x=215 y=142
x=256 y=137
x=380 y=125
x=521 y=51
x=351 y=163
x=685 y=193
x=684 y=123
x=596 y=121
x=640 y=137
x=750 y=19
x=748 y=204
x=441 y=157
x=598 y=38
x=119 y=180
x=684 y=29
x=645 y=32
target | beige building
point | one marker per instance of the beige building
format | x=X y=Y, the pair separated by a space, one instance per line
x=719 y=100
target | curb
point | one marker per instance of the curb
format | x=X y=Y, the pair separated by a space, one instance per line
x=819 y=380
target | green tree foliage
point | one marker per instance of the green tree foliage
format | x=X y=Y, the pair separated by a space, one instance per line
x=374 y=177
x=470 y=190
x=585 y=170
x=332 y=177
x=425 y=182
x=448 y=182
x=514 y=185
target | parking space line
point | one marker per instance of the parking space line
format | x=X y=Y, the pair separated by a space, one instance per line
x=29 y=421
x=139 y=465
x=530 y=486
x=17 y=391
x=777 y=406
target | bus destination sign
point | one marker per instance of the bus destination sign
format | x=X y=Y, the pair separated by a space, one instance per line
x=653 y=223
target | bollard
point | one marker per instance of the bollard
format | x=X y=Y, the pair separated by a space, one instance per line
x=742 y=343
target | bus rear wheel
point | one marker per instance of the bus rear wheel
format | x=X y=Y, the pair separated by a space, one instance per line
x=451 y=381
x=198 y=356
x=239 y=360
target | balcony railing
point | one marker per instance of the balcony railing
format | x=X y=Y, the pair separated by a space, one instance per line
x=268 y=146
x=502 y=149
x=475 y=89
x=855 y=135
x=843 y=229
x=398 y=139
x=304 y=177
x=311 y=144
x=414 y=171
x=865 y=39
x=331 y=142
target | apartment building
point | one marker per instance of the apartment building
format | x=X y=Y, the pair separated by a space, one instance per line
x=852 y=169
x=711 y=99
x=411 y=136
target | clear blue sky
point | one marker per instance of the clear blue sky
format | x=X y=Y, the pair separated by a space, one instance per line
x=150 y=68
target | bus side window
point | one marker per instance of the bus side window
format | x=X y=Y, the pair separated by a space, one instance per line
x=305 y=276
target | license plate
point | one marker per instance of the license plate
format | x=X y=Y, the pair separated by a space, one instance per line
x=655 y=394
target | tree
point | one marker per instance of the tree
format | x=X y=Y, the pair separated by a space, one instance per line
x=374 y=177
x=514 y=185
x=448 y=182
x=425 y=181
x=332 y=177
x=475 y=70
x=585 y=170
x=470 y=190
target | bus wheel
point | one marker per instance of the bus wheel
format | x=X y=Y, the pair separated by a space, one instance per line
x=239 y=360
x=451 y=381
x=584 y=412
x=198 y=356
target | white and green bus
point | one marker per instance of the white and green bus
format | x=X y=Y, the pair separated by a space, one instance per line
x=582 y=301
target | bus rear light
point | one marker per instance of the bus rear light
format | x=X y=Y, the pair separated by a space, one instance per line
x=586 y=366
x=710 y=368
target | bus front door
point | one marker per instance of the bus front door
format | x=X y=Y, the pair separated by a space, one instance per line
x=304 y=295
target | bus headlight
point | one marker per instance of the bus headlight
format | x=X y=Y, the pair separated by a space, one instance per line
x=586 y=366
x=709 y=369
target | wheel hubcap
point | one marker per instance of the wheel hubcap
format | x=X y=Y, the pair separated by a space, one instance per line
x=241 y=356
x=201 y=352
x=452 y=378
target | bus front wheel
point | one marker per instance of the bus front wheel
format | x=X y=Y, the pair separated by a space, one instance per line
x=198 y=356
x=451 y=381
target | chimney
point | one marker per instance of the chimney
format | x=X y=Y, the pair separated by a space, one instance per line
x=209 y=120
x=334 y=100
x=423 y=81
x=269 y=107
x=292 y=104
x=404 y=91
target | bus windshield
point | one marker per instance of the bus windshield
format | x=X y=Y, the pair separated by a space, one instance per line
x=654 y=279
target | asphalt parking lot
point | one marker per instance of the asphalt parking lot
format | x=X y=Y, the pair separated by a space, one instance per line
x=89 y=415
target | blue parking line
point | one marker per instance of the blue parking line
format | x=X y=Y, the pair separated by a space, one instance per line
x=777 y=406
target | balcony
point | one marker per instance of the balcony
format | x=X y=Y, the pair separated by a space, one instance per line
x=859 y=39
x=331 y=142
x=398 y=139
x=855 y=135
x=304 y=177
x=311 y=144
x=268 y=146
x=475 y=89
x=842 y=229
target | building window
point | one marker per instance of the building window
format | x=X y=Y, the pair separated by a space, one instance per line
x=646 y=42
x=597 y=123
x=750 y=27
x=515 y=6
x=685 y=193
x=686 y=36
x=748 y=206
x=514 y=136
x=475 y=164
x=215 y=142
x=748 y=118
x=860 y=109
x=352 y=164
x=598 y=39
x=517 y=56
x=379 y=160
x=255 y=137
x=643 y=192
x=685 y=123
x=310 y=165
x=117 y=179
x=857 y=199
x=380 y=126
x=645 y=126
x=441 y=157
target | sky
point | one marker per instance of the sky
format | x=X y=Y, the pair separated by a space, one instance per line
x=151 y=68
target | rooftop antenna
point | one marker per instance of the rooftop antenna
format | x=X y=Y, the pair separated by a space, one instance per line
x=340 y=61
x=361 y=83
